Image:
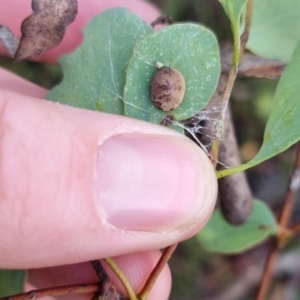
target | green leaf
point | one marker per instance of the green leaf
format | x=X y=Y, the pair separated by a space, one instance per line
x=12 y=282
x=219 y=236
x=275 y=28
x=189 y=48
x=283 y=126
x=118 y=47
x=94 y=74
x=233 y=9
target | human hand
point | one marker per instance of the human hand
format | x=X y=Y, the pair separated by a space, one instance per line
x=79 y=185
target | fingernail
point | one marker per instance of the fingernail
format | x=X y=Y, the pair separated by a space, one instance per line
x=151 y=182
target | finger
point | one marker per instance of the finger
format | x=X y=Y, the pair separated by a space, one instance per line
x=14 y=83
x=136 y=267
x=78 y=185
x=13 y=12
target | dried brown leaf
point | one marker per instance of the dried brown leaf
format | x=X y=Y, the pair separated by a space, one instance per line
x=9 y=40
x=108 y=292
x=46 y=27
x=251 y=65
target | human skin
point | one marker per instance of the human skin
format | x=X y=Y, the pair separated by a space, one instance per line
x=79 y=185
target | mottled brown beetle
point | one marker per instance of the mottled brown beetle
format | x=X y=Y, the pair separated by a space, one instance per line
x=167 y=88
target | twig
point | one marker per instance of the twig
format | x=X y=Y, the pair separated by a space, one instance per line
x=214 y=151
x=294 y=184
x=100 y=271
x=113 y=265
x=143 y=295
x=283 y=223
x=268 y=272
x=296 y=228
x=56 y=291
x=235 y=194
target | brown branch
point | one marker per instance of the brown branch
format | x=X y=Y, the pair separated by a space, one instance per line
x=100 y=271
x=296 y=228
x=214 y=152
x=56 y=291
x=143 y=295
x=234 y=190
x=251 y=65
x=291 y=192
x=235 y=194
x=283 y=223
x=268 y=272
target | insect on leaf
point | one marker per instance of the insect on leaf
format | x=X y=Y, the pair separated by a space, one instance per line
x=189 y=48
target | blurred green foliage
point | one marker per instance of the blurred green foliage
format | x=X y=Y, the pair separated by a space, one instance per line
x=12 y=282
x=45 y=75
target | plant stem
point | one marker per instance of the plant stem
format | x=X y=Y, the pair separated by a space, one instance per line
x=239 y=44
x=100 y=271
x=231 y=171
x=113 y=265
x=56 y=291
x=268 y=272
x=296 y=228
x=214 y=152
x=143 y=295
x=284 y=218
x=294 y=185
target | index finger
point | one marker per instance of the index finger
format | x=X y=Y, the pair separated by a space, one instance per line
x=13 y=12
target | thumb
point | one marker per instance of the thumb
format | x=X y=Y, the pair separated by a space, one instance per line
x=78 y=185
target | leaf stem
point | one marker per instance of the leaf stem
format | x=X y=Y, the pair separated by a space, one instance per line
x=56 y=291
x=113 y=265
x=230 y=171
x=143 y=295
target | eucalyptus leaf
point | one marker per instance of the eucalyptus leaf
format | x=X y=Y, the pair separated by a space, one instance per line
x=189 y=48
x=233 y=9
x=275 y=28
x=12 y=282
x=221 y=237
x=283 y=126
x=94 y=74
